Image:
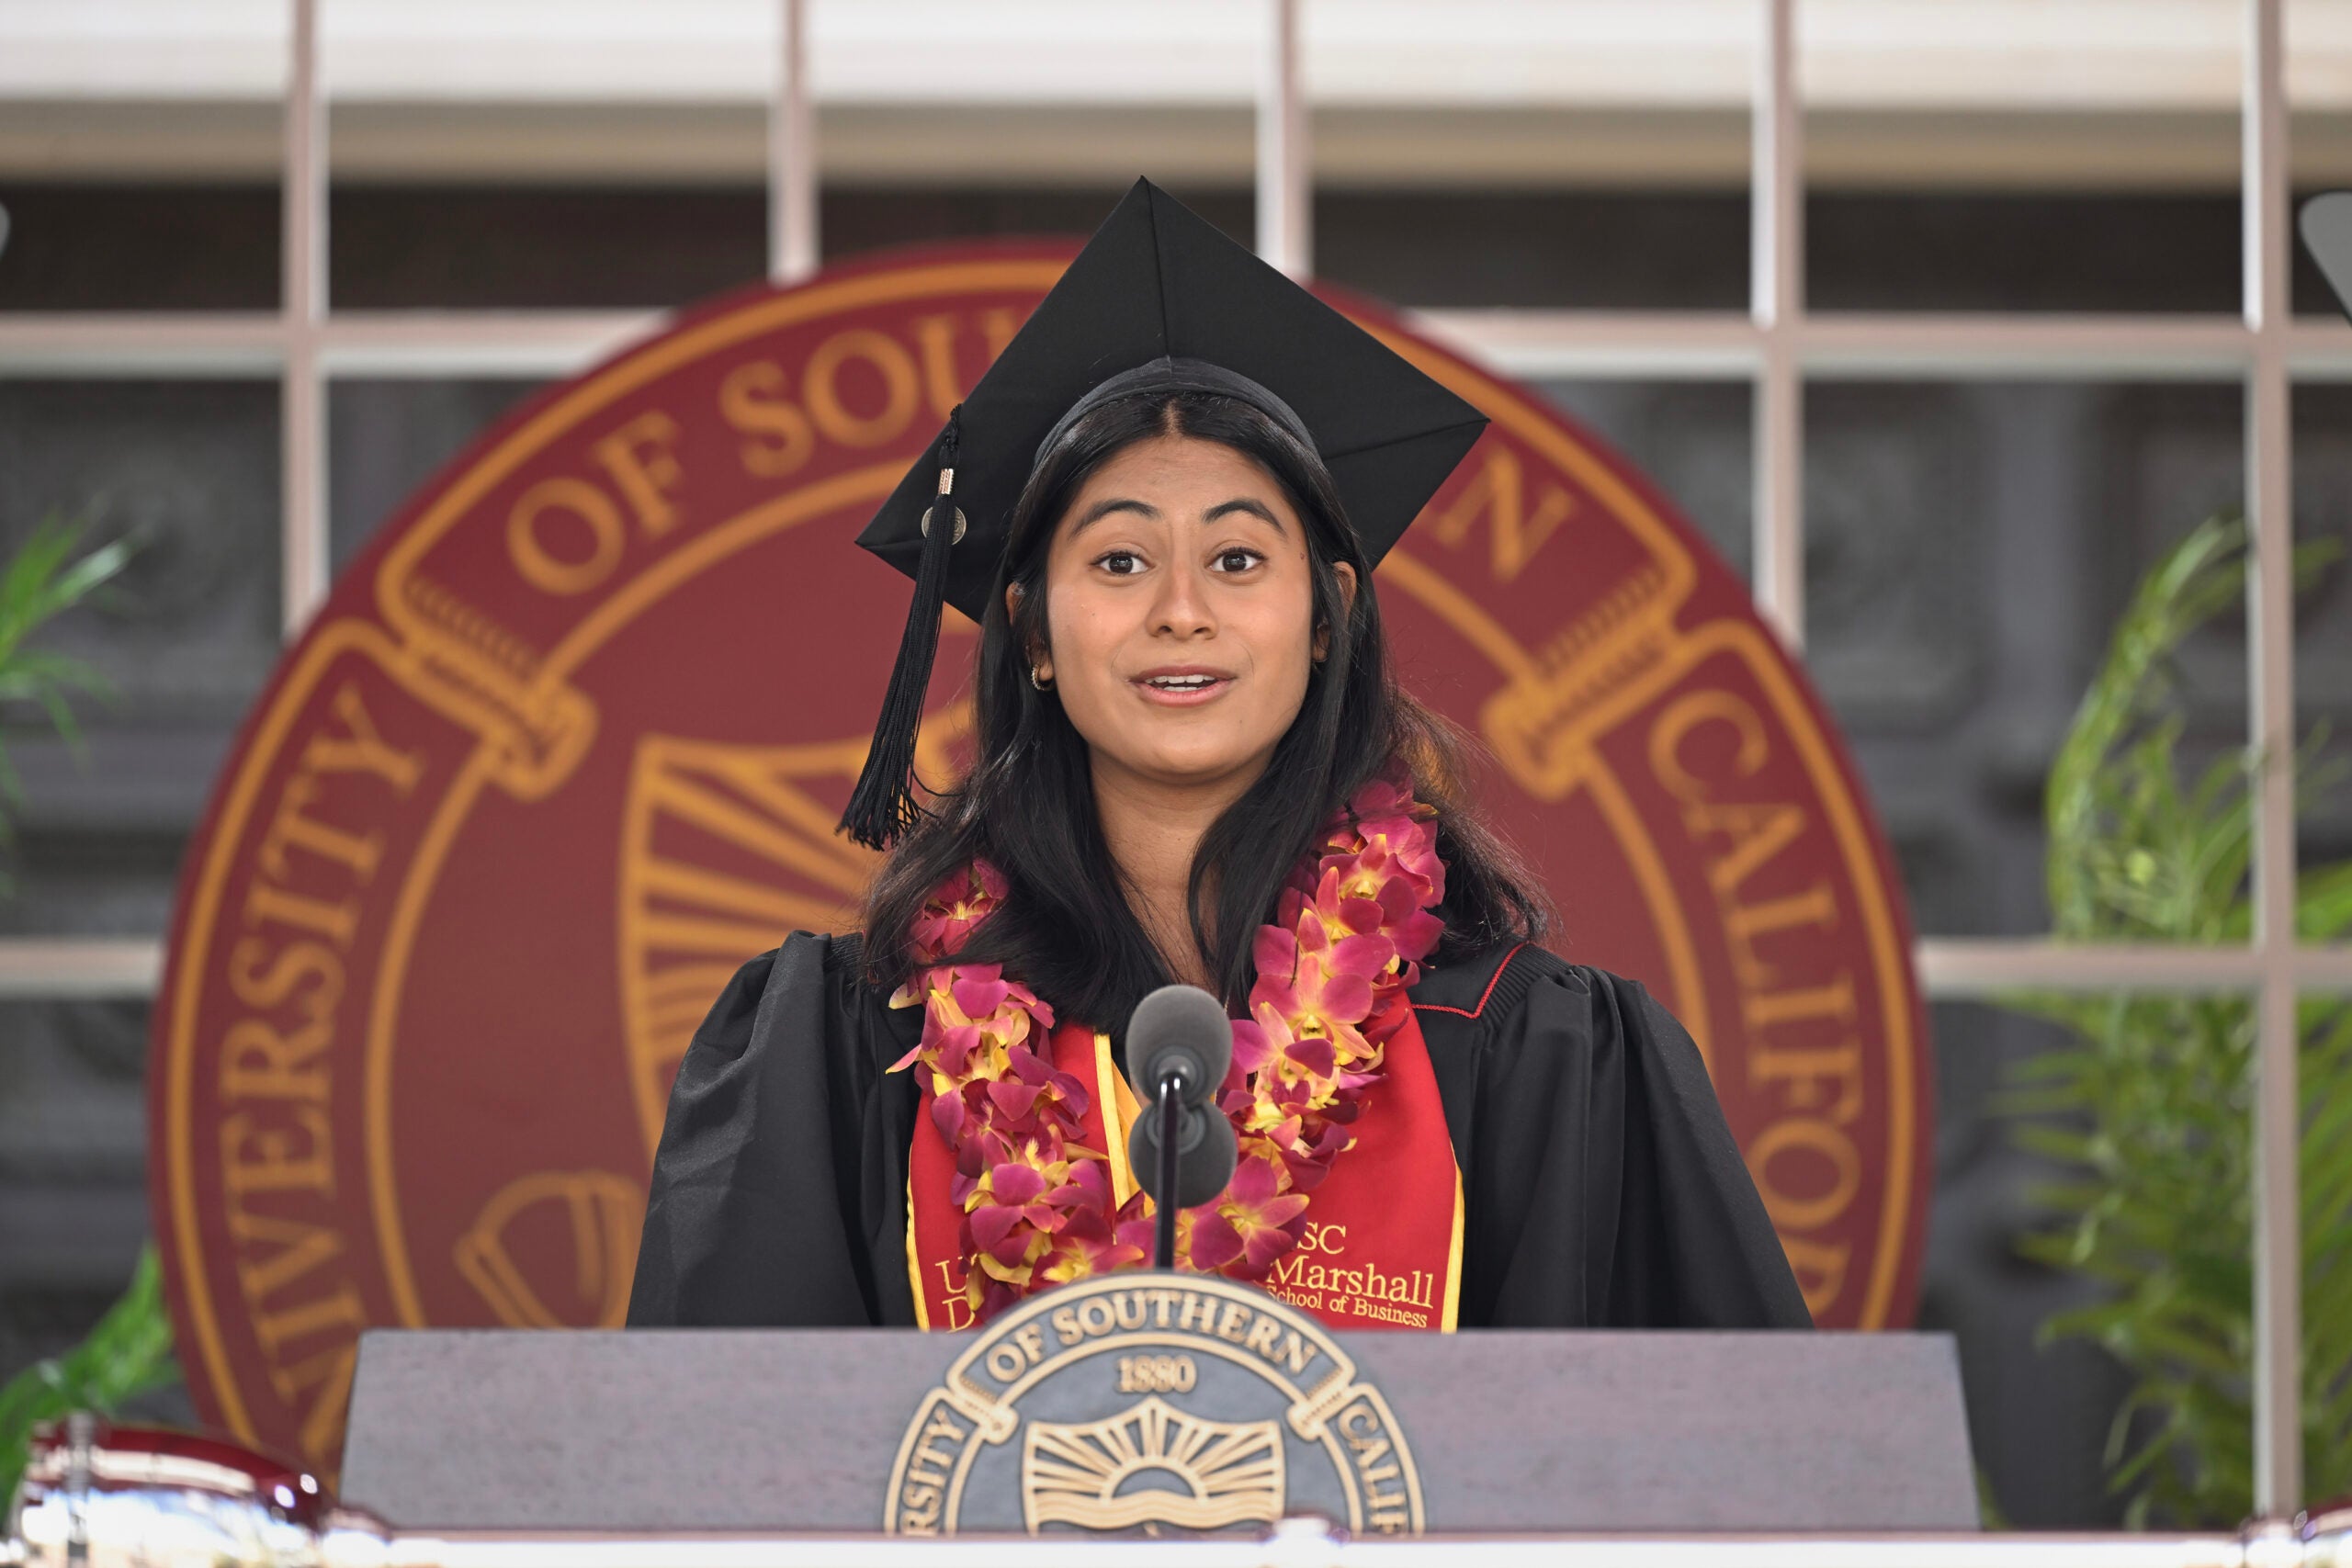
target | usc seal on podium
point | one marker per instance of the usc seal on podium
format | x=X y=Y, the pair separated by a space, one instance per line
x=567 y=742
x=1139 y=1400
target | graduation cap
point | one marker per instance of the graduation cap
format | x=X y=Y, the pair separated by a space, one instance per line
x=1158 y=301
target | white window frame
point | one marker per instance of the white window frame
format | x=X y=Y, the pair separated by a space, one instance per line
x=1776 y=344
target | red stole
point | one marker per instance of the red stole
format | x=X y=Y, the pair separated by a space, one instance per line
x=1382 y=1248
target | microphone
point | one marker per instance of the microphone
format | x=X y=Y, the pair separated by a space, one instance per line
x=1180 y=1043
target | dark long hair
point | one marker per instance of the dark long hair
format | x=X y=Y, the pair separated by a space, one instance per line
x=1027 y=806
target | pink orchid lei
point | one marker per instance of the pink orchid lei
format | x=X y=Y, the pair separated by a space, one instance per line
x=1349 y=931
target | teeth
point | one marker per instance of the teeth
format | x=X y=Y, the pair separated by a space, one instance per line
x=1181 y=683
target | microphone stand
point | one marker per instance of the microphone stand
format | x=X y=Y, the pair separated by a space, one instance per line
x=1171 y=1123
x=1179 y=1047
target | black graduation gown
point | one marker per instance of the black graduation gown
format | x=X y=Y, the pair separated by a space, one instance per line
x=1602 y=1186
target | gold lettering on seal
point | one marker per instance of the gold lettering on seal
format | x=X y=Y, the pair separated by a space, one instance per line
x=902 y=387
x=640 y=459
x=315 y=853
x=1803 y=1213
x=1372 y=1452
x=780 y=435
x=922 y=1494
x=777 y=437
x=1497 y=497
x=542 y=567
x=1711 y=750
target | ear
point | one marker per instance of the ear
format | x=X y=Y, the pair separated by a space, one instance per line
x=1346 y=576
x=1041 y=662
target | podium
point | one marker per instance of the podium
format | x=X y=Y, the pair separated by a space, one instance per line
x=1216 y=1415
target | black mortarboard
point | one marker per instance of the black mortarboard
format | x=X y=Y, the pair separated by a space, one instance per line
x=1158 y=300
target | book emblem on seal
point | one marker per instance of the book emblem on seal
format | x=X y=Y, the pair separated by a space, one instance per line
x=1137 y=1401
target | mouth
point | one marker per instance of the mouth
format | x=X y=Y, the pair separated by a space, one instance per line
x=1181 y=687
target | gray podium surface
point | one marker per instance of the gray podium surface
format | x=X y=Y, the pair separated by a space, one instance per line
x=1512 y=1430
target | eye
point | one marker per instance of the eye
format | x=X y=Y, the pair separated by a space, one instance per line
x=1121 y=563
x=1236 y=559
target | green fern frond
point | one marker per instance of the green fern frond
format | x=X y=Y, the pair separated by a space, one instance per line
x=2148 y=1108
x=127 y=1355
x=131 y=1350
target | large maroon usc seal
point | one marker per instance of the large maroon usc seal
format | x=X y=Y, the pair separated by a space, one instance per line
x=568 y=742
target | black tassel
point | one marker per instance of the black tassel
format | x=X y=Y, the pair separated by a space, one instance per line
x=883 y=807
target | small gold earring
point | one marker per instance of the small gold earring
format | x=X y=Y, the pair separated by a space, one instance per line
x=1043 y=685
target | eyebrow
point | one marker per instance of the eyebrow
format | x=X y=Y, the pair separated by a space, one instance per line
x=1103 y=508
x=1258 y=508
x=1242 y=503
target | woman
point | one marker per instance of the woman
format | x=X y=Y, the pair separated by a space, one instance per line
x=1192 y=763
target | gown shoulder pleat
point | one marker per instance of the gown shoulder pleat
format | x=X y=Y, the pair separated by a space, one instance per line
x=1602 y=1186
x=779 y=1186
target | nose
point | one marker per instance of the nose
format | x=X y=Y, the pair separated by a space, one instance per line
x=1181 y=607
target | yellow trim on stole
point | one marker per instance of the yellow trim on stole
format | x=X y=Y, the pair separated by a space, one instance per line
x=1447 y=1324
x=1119 y=1113
x=914 y=1259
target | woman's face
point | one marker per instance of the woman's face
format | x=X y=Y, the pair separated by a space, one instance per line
x=1180 y=614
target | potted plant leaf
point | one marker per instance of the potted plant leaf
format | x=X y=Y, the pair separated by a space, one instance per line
x=2148 y=1106
x=130 y=1352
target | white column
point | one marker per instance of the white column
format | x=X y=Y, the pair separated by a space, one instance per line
x=792 y=151
x=303 y=301
x=2278 y=1248
x=1776 y=288
x=1285 y=153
